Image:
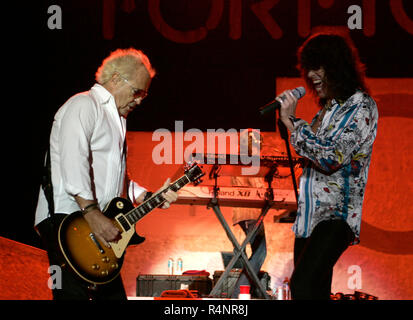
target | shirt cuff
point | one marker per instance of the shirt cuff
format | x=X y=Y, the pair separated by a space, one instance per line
x=135 y=191
x=296 y=121
x=77 y=192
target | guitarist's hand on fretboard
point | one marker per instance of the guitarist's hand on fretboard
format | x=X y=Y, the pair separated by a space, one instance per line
x=169 y=196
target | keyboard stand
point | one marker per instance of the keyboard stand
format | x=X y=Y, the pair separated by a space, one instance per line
x=239 y=250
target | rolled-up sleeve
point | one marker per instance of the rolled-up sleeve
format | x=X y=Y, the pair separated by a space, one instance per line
x=135 y=191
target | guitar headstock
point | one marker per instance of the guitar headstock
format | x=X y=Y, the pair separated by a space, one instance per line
x=194 y=172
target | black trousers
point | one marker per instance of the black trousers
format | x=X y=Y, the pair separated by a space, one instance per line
x=315 y=257
x=73 y=287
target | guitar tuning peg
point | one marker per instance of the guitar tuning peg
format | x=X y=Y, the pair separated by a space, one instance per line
x=188 y=165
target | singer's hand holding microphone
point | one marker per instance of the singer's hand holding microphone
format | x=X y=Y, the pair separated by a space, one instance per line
x=286 y=102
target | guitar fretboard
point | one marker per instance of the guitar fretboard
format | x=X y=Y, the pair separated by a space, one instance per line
x=153 y=202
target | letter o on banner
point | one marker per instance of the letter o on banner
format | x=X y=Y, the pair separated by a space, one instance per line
x=189 y=36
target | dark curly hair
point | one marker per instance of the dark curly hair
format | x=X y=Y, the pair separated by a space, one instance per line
x=340 y=60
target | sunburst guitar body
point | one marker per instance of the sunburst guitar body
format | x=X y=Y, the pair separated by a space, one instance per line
x=90 y=259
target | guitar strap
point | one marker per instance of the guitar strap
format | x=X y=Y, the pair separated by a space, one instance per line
x=47 y=185
x=126 y=180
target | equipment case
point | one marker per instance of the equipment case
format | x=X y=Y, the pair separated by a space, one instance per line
x=148 y=285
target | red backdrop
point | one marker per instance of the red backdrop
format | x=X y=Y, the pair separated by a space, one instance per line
x=382 y=264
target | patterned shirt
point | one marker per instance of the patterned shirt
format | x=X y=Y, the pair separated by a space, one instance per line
x=332 y=185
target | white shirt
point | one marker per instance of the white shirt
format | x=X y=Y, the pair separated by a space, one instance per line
x=86 y=153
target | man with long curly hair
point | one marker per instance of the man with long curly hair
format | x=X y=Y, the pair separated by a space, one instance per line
x=338 y=145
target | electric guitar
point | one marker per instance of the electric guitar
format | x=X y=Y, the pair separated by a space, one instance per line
x=96 y=263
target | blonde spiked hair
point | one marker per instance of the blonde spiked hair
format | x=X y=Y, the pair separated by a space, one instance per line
x=124 y=61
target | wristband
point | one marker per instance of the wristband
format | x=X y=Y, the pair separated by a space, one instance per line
x=293 y=119
x=89 y=207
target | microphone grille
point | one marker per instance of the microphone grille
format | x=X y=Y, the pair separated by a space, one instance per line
x=299 y=92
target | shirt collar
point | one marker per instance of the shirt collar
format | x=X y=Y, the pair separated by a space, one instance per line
x=337 y=101
x=343 y=102
x=102 y=94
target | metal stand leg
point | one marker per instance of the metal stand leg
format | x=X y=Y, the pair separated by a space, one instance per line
x=238 y=250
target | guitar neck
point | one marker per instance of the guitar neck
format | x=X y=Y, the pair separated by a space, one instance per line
x=155 y=201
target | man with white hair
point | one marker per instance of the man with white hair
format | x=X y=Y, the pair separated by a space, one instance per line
x=88 y=162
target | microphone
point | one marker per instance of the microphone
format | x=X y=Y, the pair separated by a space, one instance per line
x=298 y=92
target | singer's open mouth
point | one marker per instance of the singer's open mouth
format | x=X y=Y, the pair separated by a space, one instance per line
x=318 y=84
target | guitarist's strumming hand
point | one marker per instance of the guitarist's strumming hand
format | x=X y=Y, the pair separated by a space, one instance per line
x=101 y=226
x=170 y=196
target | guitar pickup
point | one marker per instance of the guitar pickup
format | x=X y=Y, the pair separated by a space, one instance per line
x=123 y=222
x=92 y=236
